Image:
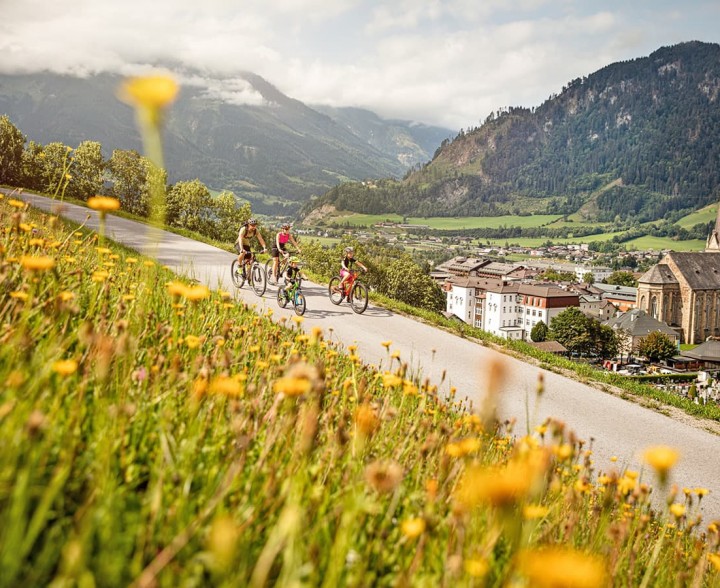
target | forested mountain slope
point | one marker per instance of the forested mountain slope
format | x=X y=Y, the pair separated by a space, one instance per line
x=636 y=139
x=238 y=134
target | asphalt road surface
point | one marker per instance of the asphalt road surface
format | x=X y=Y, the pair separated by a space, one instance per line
x=616 y=427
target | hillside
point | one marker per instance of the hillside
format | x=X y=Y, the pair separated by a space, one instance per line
x=642 y=138
x=146 y=443
x=242 y=135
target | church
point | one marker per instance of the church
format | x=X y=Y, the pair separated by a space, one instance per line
x=683 y=290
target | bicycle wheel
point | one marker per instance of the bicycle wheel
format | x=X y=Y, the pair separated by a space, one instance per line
x=359 y=300
x=299 y=303
x=335 y=297
x=282 y=297
x=236 y=274
x=258 y=281
x=268 y=270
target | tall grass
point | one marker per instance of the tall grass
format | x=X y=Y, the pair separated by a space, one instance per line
x=157 y=433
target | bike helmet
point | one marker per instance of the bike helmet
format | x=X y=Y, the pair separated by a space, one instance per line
x=252 y=221
x=294 y=260
x=349 y=250
x=286 y=227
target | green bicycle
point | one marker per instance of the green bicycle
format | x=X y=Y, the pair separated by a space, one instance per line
x=293 y=295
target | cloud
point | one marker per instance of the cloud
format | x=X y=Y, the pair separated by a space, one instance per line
x=448 y=62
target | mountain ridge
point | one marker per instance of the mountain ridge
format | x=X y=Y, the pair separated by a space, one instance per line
x=651 y=122
x=276 y=152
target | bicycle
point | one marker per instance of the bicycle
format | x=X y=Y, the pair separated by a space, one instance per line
x=255 y=277
x=355 y=291
x=293 y=294
x=282 y=266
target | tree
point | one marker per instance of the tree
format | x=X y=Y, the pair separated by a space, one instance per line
x=53 y=163
x=86 y=171
x=552 y=275
x=588 y=278
x=582 y=334
x=656 y=347
x=539 y=332
x=12 y=144
x=230 y=216
x=621 y=278
x=129 y=173
x=407 y=283
x=189 y=206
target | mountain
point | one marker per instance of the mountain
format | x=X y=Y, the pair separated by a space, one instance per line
x=411 y=143
x=239 y=134
x=635 y=140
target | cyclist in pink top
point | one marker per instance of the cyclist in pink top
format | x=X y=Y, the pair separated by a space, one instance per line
x=281 y=240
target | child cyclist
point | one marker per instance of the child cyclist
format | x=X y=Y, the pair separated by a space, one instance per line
x=281 y=240
x=346 y=268
x=292 y=276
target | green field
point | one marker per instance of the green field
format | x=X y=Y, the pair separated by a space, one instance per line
x=325 y=241
x=537 y=241
x=704 y=215
x=450 y=223
x=659 y=243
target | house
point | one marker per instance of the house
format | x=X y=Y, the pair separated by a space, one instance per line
x=598 y=273
x=634 y=325
x=708 y=353
x=457 y=266
x=624 y=297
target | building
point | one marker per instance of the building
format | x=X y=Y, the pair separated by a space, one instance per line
x=637 y=324
x=598 y=273
x=683 y=290
x=504 y=308
x=623 y=297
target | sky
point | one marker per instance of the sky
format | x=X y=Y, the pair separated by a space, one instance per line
x=444 y=62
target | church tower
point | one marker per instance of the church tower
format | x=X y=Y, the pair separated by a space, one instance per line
x=713 y=241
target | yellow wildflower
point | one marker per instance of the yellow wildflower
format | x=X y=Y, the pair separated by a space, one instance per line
x=196 y=293
x=103 y=203
x=558 y=567
x=366 y=420
x=534 y=511
x=386 y=344
x=391 y=380
x=413 y=528
x=226 y=386
x=65 y=367
x=677 y=510
x=19 y=295
x=662 y=458
x=193 y=341
x=714 y=559
x=292 y=386
x=37 y=264
x=16 y=203
x=476 y=567
x=152 y=92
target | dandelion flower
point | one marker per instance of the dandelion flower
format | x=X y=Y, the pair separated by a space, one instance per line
x=534 y=511
x=103 y=203
x=714 y=559
x=386 y=344
x=366 y=420
x=226 y=386
x=192 y=341
x=661 y=458
x=476 y=567
x=292 y=386
x=37 y=264
x=152 y=92
x=556 y=567
x=677 y=510
x=413 y=528
x=19 y=295
x=196 y=293
x=65 y=367
x=16 y=203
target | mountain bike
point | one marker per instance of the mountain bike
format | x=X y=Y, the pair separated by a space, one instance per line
x=282 y=265
x=251 y=271
x=294 y=295
x=355 y=291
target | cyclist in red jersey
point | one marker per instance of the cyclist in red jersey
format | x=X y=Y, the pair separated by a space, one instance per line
x=281 y=240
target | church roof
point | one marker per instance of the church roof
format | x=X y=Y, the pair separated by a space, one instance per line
x=700 y=270
x=658 y=274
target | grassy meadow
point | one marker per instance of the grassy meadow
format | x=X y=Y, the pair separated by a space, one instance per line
x=704 y=215
x=448 y=223
x=157 y=433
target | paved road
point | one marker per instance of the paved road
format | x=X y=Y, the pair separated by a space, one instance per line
x=617 y=427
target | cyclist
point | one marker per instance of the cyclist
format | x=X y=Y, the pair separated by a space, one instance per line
x=346 y=268
x=281 y=240
x=292 y=276
x=242 y=245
